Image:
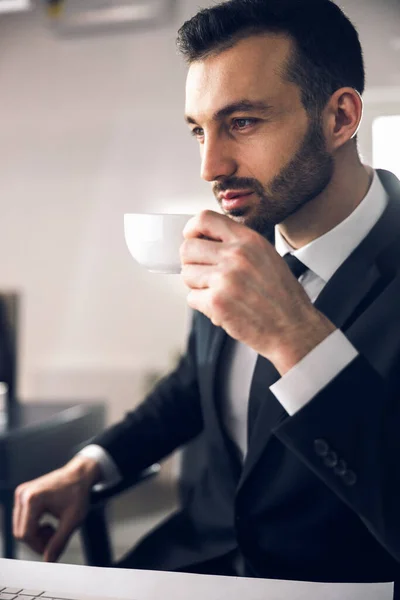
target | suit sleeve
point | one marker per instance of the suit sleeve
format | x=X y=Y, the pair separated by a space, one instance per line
x=168 y=418
x=349 y=436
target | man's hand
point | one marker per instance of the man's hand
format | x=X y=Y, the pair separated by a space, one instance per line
x=239 y=281
x=63 y=494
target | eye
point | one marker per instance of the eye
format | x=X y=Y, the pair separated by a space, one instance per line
x=243 y=123
x=197 y=132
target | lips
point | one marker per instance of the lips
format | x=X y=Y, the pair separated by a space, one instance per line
x=233 y=195
x=235 y=200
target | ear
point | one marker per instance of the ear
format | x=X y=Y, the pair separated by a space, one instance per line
x=343 y=115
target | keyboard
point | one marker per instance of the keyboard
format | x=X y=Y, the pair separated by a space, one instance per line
x=13 y=593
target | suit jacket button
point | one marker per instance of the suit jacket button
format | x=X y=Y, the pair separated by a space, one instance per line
x=331 y=460
x=341 y=468
x=349 y=478
x=321 y=447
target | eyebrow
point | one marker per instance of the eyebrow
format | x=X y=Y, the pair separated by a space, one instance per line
x=241 y=106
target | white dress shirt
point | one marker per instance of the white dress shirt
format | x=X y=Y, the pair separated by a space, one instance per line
x=305 y=380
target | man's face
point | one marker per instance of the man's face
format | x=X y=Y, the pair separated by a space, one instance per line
x=263 y=155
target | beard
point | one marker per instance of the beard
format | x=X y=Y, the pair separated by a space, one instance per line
x=305 y=177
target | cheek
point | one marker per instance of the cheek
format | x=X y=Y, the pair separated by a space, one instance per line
x=268 y=153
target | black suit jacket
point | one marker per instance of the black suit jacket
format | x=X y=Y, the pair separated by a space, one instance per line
x=318 y=497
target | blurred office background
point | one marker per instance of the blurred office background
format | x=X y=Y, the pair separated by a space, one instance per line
x=91 y=127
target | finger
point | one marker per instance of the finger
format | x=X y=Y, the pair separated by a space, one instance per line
x=59 y=540
x=199 y=251
x=213 y=226
x=39 y=541
x=200 y=300
x=16 y=516
x=197 y=276
x=44 y=535
x=30 y=513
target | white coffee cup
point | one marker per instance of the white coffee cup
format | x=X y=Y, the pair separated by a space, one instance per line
x=154 y=240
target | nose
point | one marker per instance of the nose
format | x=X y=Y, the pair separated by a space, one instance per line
x=217 y=160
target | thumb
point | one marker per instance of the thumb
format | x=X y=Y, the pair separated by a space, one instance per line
x=59 y=540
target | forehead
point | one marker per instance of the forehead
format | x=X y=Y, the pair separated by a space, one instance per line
x=252 y=68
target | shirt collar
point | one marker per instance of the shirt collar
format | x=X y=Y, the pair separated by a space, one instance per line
x=324 y=255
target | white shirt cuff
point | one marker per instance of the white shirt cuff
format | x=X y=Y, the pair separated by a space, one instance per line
x=110 y=471
x=318 y=368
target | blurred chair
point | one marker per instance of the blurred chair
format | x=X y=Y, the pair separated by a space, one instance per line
x=9 y=322
x=94 y=531
x=41 y=436
x=35 y=437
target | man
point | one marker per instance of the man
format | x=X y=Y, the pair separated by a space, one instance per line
x=292 y=370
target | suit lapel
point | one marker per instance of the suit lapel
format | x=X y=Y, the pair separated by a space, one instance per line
x=356 y=283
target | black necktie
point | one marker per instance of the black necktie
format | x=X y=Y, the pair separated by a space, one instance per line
x=265 y=373
x=295 y=265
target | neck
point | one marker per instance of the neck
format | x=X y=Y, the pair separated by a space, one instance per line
x=348 y=187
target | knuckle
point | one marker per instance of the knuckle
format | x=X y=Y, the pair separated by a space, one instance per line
x=205 y=213
x=32 y=495
x=227 y=274
x=203 y=217
x=238 y=255
x=217 y=304
x=225 y=280
x=237 y=250
x=19 y=492
x=253 y=238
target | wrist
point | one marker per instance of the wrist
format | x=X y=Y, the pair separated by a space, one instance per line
x=85 y=468
x=303 y=339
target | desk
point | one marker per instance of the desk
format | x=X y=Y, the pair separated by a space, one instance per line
x=152 y=585
x=41 y=437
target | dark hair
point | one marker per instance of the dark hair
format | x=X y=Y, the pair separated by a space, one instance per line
x=327 y=55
